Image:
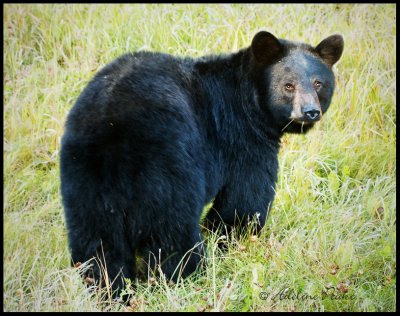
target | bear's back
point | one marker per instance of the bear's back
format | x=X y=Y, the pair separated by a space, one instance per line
x=137 y=90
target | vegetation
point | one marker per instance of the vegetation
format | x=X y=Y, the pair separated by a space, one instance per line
x=330 y=241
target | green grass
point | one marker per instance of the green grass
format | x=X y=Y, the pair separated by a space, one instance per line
x=332 y=226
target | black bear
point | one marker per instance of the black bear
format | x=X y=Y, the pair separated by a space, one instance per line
x=153 y=138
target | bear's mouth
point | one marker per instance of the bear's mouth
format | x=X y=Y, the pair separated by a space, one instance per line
x=300 y=122
x=306 y=114
x=304 y=119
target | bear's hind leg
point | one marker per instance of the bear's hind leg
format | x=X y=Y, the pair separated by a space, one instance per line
x=113 y=265
x=113 y=258
x=177 y=249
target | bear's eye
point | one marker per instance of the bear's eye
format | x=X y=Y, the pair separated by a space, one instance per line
x=317 y=84
x=289 y=87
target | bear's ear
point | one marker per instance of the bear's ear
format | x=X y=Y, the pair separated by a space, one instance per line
x=330 y=49
x=266 y=48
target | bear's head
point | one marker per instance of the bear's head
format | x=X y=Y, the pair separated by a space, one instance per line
x=295 y=80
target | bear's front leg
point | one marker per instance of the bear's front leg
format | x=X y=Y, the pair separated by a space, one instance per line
x=241 y=207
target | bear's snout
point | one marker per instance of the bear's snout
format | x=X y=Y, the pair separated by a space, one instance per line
x=312 y=113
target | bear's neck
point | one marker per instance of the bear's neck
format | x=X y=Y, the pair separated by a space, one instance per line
x=229 y=103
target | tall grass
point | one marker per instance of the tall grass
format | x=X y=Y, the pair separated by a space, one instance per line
x=329 y=243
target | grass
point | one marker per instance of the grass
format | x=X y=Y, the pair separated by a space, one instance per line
x=330 y=241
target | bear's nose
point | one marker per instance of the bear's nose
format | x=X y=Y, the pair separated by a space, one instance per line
x=312 y=113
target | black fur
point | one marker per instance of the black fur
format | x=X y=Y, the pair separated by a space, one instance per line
x=154 y=137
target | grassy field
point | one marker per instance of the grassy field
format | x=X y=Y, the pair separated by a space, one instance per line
x=330 y=241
